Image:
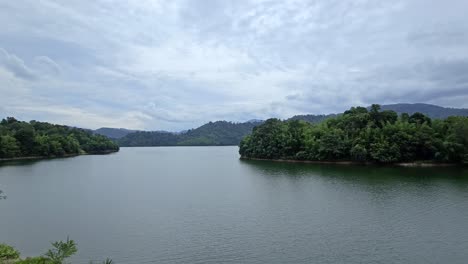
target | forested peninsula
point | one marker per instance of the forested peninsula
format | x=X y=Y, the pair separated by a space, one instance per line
x=19 y=139
x=361 y=135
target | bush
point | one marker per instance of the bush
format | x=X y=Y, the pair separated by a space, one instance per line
x=57 y=255
x=61 y=251
x=35 y=260
x=8 y=252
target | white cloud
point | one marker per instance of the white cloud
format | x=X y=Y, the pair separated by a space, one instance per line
x=173 y=65
x=15 y=65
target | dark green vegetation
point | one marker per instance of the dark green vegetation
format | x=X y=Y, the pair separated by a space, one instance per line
x=57 y=255
x=39 y=139
x=7 y=252
x=312 y=118
x=219 y=133
x=362 y=135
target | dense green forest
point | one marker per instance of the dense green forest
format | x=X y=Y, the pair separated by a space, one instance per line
x=23 y=139
x=219 y=133
x=362 y=135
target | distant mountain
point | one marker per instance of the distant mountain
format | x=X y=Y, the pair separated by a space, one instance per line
x=113 y=132
x=148 y=138
x=219 y=133
x=433 y=111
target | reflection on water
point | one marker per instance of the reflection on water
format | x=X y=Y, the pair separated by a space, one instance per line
x=363 y=174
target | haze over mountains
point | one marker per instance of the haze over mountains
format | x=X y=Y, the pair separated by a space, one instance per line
x=230 y=133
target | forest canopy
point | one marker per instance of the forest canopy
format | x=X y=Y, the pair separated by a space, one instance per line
x=23 y=139
x=362 y=135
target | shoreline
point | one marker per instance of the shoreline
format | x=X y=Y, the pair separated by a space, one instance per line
x=54 y=157
x=399 y=164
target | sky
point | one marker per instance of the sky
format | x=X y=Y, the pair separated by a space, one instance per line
x=174 y=65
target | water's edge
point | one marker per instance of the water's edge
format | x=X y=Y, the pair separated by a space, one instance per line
x=56 y=157
x=400 y=164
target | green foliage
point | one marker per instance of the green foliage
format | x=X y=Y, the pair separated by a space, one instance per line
x=8 y=252
x=362 y=135
x=57 y=255
x=23 y=139
x=358 y=153
x=270 y=139
x=314 y=119
x=35 y=260
x=61 y=251
x=9 y=147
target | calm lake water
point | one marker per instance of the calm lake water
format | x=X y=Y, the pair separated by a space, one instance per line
x=204 y=205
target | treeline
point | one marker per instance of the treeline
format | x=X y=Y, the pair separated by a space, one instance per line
x=312 y=118
x=362 y=135
x=23 y=139
x=219 y=133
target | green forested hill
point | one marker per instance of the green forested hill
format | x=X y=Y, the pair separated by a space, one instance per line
x=148 y=138
x=217 y=133
x=23 y=139
x=113 y=132
x=362 y=135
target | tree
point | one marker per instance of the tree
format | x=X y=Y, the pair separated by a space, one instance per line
x=418 y=118
x=61 y=251
x=57 y=255
x=8 y=253
x=294 y=137
x=269 y=138
x=9 y=147
x=384 y=152
x=358 y=153
x=25 y=135
x=333 y=145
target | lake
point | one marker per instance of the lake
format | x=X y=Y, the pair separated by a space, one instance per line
x=204 y=205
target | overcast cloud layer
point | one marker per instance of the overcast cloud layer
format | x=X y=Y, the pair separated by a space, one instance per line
x=174 y=65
